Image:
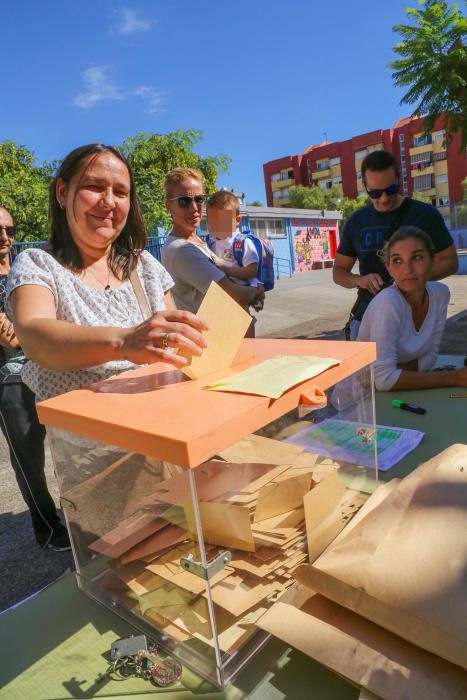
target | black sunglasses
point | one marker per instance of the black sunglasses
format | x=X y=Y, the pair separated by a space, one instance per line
x=9 y=230
x=376 y=194
x=185 y=201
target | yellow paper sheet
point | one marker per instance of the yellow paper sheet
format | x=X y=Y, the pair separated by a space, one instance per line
x=228 y=324
x=274 y=376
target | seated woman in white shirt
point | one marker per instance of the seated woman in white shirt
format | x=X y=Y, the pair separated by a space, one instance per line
x=406 y=320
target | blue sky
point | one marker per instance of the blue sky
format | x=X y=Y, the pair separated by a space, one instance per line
x=260 y=79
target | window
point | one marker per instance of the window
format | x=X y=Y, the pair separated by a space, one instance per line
x=324 y=165
x=359 y=175
x=443 y=201
x=335 y=161
x=277 y=194
x=325 y=184
x=423 y=182
x=442 y=155
x=337 y=180
x=422 y=140
x=360 y=154
x=438 y=135
x=401 y=138
x=441 y=178
x=267 y=228
x=276 y=176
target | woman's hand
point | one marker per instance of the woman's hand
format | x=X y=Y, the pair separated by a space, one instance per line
x=218 y=262
x=7 y=333
x=151 y=340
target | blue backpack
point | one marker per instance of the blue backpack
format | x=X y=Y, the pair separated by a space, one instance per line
x=265 y=251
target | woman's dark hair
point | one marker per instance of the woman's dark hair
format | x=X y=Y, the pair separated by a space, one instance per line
x=377 y=161
x=126 y=248
x=405 y=232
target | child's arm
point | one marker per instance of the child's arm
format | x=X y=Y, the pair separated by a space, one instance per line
x=242 y=273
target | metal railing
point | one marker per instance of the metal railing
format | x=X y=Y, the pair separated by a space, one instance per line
x=282 y=266
x=154 y=246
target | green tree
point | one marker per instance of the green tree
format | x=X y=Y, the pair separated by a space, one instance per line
x=24 y=191
x=255 y=203
x=153 y=155
x=459 y=213
x=421 y=198
x=434 y=65
x=330 y=199
x=348 y=206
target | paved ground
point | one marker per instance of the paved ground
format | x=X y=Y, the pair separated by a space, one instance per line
x=307 y=305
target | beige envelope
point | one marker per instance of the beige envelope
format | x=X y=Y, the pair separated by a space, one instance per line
x=282 y=496
x=360 y=651
x=228 y=324
x=403 y=565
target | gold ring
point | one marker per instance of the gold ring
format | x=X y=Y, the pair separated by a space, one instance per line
x=165 y=341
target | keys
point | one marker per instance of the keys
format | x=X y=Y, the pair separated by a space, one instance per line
x=129 y=660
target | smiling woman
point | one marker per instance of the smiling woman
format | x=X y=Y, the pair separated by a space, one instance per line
x=96 y=303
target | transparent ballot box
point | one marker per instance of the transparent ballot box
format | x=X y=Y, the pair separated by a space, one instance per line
x=188 y=510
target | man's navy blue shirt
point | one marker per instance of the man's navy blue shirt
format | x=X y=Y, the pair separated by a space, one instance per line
x=366 y=231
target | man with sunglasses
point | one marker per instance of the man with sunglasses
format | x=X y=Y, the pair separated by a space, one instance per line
x=185 y=256
x=18 y=418
x=367 y=230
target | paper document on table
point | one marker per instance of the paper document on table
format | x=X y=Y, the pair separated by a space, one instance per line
x=274 y=376
x=354 y=442
x=228 y=323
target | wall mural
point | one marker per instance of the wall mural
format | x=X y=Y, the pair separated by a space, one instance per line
x=312 y=244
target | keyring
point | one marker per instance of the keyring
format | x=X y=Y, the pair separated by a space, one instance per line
x=165 y=341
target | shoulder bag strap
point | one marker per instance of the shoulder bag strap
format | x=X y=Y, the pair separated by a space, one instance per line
x=140 y=295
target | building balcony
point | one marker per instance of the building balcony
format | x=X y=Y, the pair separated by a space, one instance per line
x=318 y=174
x=426 y=170
x=281 y=202
x=427 y=148
x=280 y=184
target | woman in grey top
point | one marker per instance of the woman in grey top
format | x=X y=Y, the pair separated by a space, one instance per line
x=185 y=256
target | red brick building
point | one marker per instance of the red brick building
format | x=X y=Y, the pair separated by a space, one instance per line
x=426 y=165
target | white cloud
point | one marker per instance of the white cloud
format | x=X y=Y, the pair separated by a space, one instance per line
x=129 y=23
x=153 y=98
x=99 y=87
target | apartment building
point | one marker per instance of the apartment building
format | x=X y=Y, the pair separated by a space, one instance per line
x=426 y=164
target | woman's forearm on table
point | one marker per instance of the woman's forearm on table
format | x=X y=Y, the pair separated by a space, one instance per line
x=61 y=345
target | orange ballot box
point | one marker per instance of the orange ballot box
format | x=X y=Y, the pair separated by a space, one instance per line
x=190 y=502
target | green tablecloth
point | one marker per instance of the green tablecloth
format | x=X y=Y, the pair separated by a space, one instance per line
x=54 y=645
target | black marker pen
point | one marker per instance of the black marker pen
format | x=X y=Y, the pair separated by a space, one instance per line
x=412 y=407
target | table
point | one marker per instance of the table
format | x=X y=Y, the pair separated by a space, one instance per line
x=54 y=645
